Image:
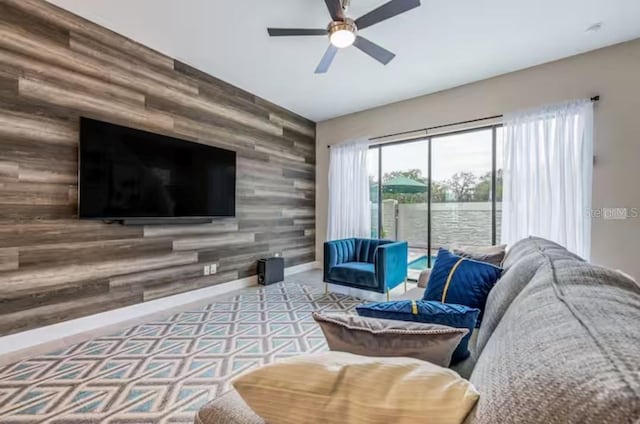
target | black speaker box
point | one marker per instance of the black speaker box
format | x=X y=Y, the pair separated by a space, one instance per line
x=270 y=270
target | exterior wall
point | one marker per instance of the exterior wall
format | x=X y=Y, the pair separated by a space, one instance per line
x=467 y=224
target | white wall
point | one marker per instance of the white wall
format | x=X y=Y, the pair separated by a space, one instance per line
x=612 y=72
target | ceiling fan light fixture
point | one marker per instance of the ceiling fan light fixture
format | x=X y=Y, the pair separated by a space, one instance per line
x=342 y=34
x=342 y=39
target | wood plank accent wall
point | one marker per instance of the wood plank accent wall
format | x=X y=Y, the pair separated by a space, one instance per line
x=56 y=67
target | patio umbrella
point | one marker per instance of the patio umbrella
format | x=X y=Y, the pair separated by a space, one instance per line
x=403 y=185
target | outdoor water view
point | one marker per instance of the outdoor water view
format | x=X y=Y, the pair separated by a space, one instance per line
x=461 y=193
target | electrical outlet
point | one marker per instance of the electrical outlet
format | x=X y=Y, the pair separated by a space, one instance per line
x=214 y=268
x=207 y=270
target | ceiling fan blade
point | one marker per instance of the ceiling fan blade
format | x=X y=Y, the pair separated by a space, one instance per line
x=325 y=63
x=335 y=9
x=287 y=32
x=380 y=54
x=386 y=11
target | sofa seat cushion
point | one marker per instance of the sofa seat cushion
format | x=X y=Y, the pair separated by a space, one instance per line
x=362 y=274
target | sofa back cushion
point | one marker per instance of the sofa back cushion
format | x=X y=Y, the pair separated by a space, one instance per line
x=508 y=287
x=530 y=245
x=520 y=265
x=566 y=349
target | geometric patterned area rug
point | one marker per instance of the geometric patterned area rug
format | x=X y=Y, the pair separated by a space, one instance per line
x=164 y=371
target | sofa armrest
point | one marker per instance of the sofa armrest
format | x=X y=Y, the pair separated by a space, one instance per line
x=228 y=409
x=391 y=263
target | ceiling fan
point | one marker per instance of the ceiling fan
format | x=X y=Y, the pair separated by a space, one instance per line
x=343 y=31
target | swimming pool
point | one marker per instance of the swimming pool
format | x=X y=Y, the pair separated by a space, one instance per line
x=421 y=263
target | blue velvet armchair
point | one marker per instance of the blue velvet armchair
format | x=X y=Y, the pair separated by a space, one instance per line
x=374 y=265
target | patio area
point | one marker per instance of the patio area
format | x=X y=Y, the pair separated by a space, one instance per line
x=418 y=261
x=453 y=224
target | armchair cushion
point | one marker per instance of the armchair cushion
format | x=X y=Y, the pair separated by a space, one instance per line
x=357 y=273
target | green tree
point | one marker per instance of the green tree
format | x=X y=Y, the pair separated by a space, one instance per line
x=439 y=191
x=482 y=190
x=499 y=180
x=461 y=186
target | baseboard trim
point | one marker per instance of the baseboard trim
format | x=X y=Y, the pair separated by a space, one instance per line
x=300 y=268
x=20 y=346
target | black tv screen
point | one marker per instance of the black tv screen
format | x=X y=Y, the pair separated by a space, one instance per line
x=126 y=174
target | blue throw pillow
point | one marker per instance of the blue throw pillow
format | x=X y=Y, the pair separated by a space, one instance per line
x=457 y=316
x=462 y=281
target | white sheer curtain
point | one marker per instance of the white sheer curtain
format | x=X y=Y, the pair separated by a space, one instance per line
x=548 y=167
x=349 y=207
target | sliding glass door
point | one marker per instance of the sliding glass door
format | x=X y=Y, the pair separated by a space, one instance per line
x=404 y=192
x=499 y=145
x=404 y=173
x=440 y=191
x=373 y=163
x=461 y=199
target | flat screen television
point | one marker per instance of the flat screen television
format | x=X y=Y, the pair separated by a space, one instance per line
x=129 y=174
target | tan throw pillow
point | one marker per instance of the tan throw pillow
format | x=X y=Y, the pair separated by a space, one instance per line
x=342 y=388
x=382 y=337
x=423 y=279
x=491 y=254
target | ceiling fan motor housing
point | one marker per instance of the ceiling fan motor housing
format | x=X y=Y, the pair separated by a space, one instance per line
x=347 y=25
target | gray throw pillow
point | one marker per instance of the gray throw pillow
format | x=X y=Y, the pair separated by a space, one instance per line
x=389 y=338
x=491 y=254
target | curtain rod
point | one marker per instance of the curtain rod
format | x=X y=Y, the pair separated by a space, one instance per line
x=471 y=121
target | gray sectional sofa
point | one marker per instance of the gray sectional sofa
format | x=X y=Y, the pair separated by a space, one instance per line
x=559 y=343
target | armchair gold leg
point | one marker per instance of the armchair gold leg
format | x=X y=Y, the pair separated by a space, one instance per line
x=405 y=285
x=388 y=295
x=326 y=289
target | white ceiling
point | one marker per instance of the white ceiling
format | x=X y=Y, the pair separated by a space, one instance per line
x=443 y=44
